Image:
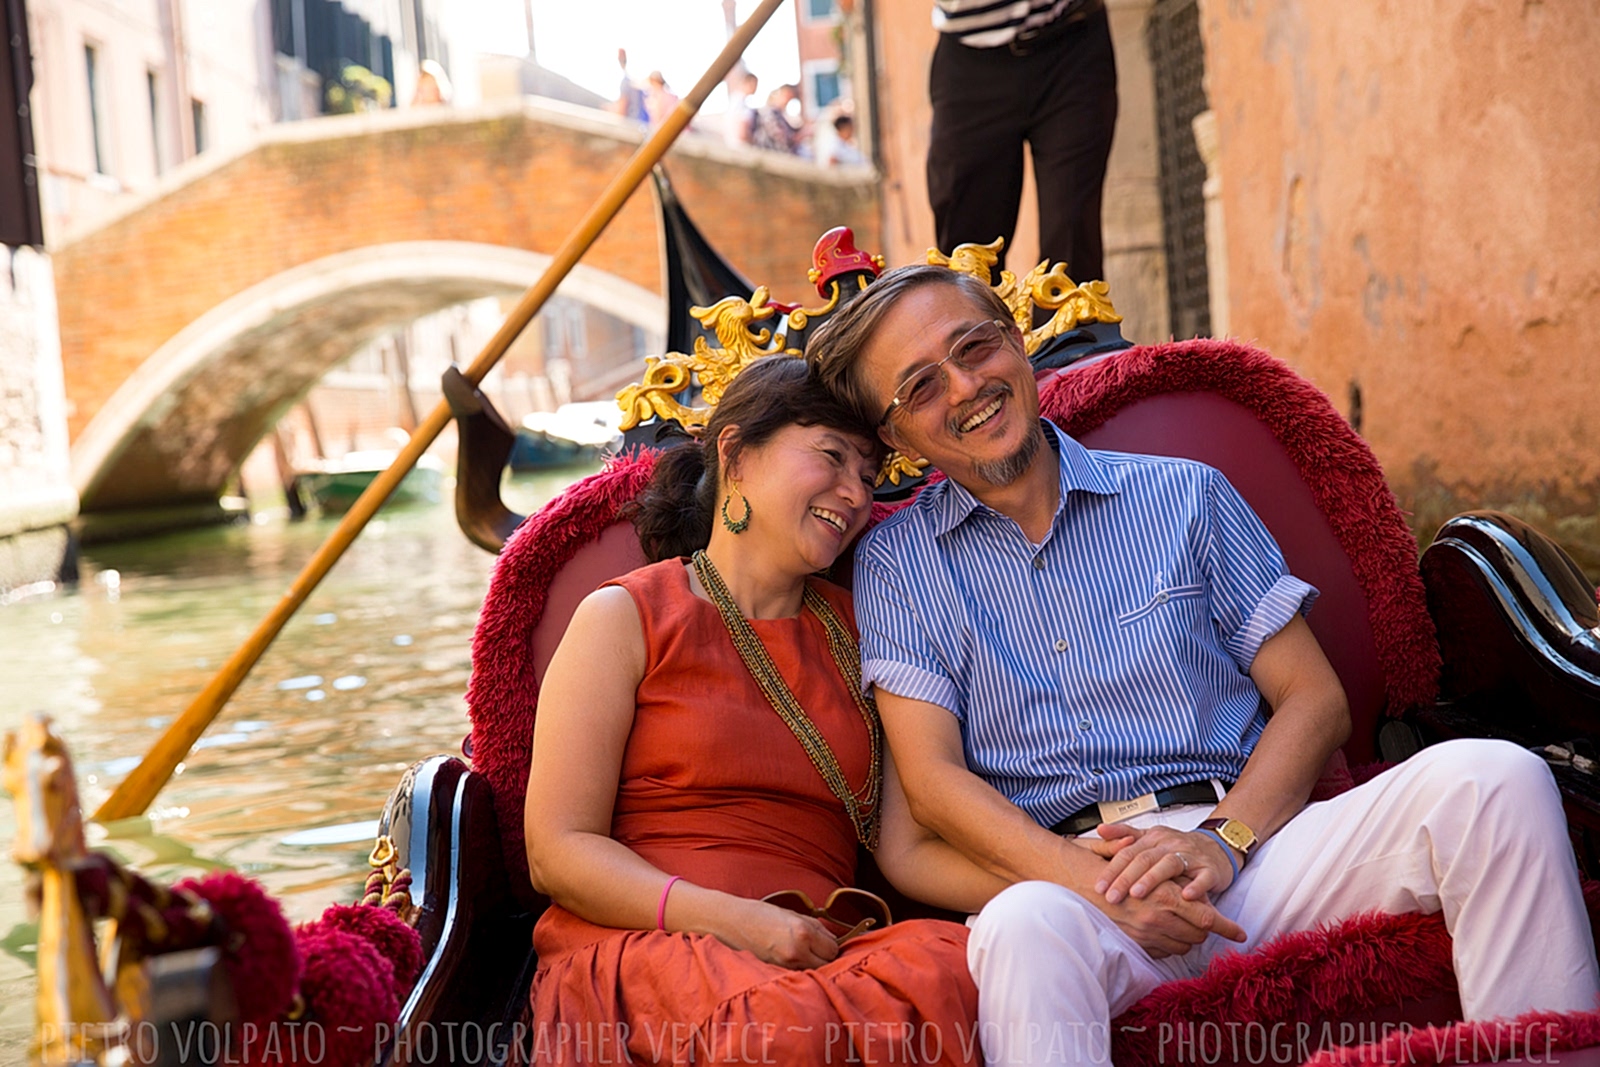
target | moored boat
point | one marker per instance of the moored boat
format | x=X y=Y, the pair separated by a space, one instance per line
x=574 y=433
x=333 y=485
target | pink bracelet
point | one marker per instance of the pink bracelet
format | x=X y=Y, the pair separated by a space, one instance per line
x=661 y=908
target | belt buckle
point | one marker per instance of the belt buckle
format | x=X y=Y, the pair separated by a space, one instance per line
x=1019 y=44
x=1120 y=810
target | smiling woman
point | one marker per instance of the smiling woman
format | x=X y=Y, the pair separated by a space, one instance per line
x=774 y=425
x=704 y=757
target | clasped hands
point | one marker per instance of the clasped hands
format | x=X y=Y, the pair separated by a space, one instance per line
x=1157 y=886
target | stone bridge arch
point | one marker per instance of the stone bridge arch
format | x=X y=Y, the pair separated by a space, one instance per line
x=244 y=272
x=180 y=425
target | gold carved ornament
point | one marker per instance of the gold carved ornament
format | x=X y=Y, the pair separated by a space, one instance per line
x=74 y=1011
x=731 y=321
x=739 y=344
x=1045 y=287
x=90 y=997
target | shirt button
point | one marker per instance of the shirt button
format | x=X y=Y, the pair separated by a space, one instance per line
x=1038 y=563
x=1084 y=724
x=1098 y=770
x=1161 y=597
x=1061 y=644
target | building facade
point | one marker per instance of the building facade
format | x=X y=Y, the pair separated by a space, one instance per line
x=824 y=83
x=127 y=90
x=37 y=500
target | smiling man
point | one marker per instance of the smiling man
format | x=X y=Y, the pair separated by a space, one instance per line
x=1065 y=642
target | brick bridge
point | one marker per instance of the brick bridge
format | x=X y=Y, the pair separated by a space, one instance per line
x=192 y=321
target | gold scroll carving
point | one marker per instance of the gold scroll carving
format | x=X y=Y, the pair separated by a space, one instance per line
x=1044 y=287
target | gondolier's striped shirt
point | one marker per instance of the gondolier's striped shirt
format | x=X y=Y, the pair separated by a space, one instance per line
x=1103 y=664
x=991 y=23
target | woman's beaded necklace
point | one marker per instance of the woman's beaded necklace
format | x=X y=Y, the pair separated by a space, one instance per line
x=861 y=806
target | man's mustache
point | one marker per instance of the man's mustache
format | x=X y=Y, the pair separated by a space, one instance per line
x=985 y=395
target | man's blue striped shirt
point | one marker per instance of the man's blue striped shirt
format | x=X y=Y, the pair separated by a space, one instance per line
x=1109 y=661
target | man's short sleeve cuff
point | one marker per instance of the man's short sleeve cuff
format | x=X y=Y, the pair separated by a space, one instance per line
x=913 y=683
x=1288 y=597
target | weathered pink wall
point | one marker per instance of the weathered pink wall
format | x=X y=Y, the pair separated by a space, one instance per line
x=1412 y=202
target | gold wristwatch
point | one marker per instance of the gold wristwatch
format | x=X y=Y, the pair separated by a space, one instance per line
x=1234 y=832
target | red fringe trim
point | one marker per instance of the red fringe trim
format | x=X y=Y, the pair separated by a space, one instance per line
x=503 y=692
x=1333 y=972
x=1341 y=471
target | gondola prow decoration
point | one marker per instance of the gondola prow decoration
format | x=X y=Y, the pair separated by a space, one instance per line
x=75 y=1012
x=95 y=1001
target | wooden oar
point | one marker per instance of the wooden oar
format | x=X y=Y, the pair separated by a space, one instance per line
x=140 y=787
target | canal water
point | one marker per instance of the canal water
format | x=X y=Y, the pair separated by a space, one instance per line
x=286 y=785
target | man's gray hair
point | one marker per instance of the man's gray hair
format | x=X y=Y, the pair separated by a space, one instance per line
x=835 y=349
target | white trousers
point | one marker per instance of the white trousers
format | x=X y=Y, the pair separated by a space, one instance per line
x=1473 y=828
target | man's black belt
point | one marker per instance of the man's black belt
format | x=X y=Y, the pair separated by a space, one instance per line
x=1092 y=815
x=1031 y=40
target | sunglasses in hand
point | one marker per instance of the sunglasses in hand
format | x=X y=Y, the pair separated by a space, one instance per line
x=846 y=913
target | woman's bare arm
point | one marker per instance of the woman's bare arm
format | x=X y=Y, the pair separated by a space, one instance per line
x=923 y=865
x=586 y=709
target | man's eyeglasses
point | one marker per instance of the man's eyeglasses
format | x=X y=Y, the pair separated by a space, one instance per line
x=972 y=350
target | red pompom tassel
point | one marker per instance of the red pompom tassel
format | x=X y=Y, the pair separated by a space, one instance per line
x=388 y=933
x=348 y=990
x=258 y=948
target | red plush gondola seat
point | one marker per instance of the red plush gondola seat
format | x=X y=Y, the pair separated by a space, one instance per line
x=1317 y=487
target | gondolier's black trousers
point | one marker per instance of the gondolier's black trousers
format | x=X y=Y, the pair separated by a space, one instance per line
x=1060 y=96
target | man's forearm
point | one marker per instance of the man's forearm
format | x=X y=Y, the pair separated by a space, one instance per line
x=1287 y=760
x=1310 y=718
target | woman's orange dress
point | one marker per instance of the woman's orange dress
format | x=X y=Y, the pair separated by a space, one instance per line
x=716 y=788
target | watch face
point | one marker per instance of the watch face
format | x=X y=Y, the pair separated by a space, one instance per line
x=1233 y=832
x=1237 y=835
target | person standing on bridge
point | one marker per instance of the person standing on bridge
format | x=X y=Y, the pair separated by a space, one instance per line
x=773 y=130
x=1035 y=71
x=630 y=98
x=658 y=99
x=739 y=124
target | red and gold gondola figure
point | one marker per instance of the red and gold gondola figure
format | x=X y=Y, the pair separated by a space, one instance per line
x=75 y=1012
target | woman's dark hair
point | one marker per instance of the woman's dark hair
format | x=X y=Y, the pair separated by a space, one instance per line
x=673 y=514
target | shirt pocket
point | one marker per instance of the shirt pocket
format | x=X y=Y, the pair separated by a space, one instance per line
x=1160 y=600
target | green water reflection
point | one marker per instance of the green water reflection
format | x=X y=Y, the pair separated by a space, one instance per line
x=368 y=677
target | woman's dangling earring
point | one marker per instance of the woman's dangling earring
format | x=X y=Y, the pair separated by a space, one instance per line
x=741 y=524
